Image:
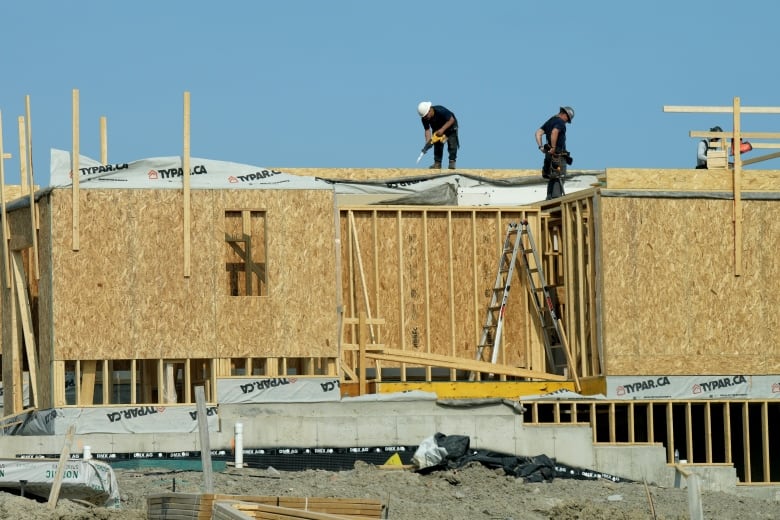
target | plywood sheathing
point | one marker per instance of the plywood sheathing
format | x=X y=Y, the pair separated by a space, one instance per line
x=123 y=295
x=701 y=181
x=432 y=284
x=671 y=302
x=50 y=385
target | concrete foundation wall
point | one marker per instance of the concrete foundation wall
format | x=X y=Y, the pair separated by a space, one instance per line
x=361 y=423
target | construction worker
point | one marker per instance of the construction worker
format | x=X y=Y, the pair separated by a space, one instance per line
x=556 y=157
x=442 y=122
x=704 y=145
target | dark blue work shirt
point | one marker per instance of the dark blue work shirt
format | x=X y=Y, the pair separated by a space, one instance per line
x=440 y=116
x=560 y=124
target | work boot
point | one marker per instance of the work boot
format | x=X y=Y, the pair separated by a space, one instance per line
x=451 y=165
x=436 y=165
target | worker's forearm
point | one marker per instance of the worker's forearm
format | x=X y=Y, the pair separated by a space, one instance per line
x=554 y=139
x=446 y=126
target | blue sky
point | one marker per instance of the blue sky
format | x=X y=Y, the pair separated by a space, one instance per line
x=334 y=84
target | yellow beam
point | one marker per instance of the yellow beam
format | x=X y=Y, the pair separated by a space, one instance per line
x=477 y=389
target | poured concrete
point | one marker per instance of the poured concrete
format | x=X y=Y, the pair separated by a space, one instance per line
x=493 y=425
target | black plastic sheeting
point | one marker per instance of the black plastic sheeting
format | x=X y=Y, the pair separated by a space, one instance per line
x=539 y=468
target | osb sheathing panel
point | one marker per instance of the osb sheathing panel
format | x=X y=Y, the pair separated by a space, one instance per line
x=298 y=317
x=671 y=301
x=431 y=279
x=691 y=180
x=124 y=294
x=45 y=333
x=20 y=226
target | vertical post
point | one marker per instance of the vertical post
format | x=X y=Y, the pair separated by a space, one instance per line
x=4 y=216
x=30 y=181
x=362 y=356
x=451 y=293
x=28 y=120
x=737 y=191
x=74 y=169
x=339 y=290
x=695 y=509
x=205 y=448
x=765 y=452
x=133 y=381
x=746 y=443
x=103 y=141
x=186 y=184
x=401 y=289
x=238 y=429
x=22 y=154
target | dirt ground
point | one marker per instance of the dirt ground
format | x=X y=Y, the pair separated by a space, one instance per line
x=471 y=492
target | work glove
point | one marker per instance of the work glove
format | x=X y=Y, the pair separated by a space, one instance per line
x=569 y=159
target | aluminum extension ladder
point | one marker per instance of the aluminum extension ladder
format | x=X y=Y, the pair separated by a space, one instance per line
x=489 y=343
x=555 y=344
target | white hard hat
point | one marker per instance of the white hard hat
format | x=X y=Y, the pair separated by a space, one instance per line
x=423 y=108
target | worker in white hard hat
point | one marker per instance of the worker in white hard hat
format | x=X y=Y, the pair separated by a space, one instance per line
x=556 y=156
x=438 y=120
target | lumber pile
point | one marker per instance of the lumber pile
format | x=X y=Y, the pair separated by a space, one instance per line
x=207 y=506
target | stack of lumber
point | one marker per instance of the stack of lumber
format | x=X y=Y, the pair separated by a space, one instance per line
x=183 y=506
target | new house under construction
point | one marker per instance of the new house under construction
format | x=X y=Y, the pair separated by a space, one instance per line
x=643 y=304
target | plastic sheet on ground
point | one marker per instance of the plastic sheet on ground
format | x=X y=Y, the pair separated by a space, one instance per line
x=89 y=480
x=445 y=452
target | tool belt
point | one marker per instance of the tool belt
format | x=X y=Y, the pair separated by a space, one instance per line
x=557 y=167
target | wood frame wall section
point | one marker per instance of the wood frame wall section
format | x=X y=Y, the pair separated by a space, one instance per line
x=571 y=267
x=580 y=290
x=433 y=270
x=705 y=432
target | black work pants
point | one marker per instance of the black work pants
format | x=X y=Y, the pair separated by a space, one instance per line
x=554 y=169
